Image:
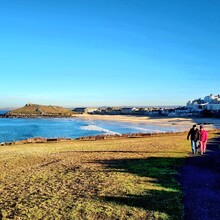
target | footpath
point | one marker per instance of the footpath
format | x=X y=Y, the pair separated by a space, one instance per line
x=200 y=179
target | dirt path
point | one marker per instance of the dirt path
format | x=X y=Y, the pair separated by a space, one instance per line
x=200 y=179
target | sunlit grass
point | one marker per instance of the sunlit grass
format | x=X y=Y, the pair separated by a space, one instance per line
x=132 y=178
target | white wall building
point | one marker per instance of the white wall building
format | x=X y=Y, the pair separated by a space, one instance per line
x=213 y=107
x=211 y=102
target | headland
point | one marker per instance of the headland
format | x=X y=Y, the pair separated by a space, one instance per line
x=34 y=110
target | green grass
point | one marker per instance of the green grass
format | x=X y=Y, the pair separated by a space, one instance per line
x=107 y=179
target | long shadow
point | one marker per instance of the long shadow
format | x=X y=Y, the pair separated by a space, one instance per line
x=159 y=201
x=163 y=171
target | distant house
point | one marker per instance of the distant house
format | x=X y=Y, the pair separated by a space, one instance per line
x=116 y=111
x=154 y=112
x=108 y=110
x=212 y=98
x=91 y=110
x=172 y=114
x=197 y=107
x=112 y=111
x=140 y=111
x=127 y=111
x=167 y=111
x=80 y=110
x=181 y=110
x=213 y=107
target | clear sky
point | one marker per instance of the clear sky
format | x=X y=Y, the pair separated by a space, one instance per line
x=108 y=52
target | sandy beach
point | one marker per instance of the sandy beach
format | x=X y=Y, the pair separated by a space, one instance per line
x=181 y=124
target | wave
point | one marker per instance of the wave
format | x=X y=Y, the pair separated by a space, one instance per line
x=147 y=130
x=97 y=128
x=151 y=130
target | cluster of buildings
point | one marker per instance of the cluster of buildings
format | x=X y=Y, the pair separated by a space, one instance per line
x=209 y=106
x=143 y=111
x=211 y=103
x=124 y=111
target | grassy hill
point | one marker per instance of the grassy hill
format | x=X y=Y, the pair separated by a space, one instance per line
x=31 y=110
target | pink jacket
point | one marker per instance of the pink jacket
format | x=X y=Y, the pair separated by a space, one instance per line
x=203 y=135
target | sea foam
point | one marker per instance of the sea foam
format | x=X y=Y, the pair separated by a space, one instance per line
x=97 y=128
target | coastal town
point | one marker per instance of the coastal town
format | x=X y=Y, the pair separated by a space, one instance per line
x=209 y=106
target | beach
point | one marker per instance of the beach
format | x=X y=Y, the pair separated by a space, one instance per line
x=82 y=125
x=181 y=124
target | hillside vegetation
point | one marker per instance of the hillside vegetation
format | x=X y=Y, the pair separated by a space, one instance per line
x=40 y=110
x=132 y=178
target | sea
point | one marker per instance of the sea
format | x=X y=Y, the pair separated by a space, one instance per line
x=15 y=129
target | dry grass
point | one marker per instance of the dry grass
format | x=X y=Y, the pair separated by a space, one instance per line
x=106 y=179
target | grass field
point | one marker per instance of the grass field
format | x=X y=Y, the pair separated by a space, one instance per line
x=133 y=178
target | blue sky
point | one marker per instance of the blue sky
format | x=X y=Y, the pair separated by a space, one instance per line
x=108 y=52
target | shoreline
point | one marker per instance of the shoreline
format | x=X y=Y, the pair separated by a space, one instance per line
x=40 y=140
x=179 y=123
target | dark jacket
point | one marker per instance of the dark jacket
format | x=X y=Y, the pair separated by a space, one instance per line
x=194 y=134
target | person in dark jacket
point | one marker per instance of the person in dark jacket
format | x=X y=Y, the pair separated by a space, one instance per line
x=194 y=137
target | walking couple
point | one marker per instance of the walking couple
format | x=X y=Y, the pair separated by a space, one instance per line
x=198 y=139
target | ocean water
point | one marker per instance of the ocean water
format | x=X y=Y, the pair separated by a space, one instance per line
x=3 y=111
x=13 y=129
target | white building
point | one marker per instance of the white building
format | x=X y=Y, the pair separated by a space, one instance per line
x=127 y=110
x=209 y=98
x=211 y=102
x=213 y=107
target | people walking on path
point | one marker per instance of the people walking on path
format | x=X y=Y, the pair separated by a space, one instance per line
x=199 y=179
x=194 y=137
x=203 y=139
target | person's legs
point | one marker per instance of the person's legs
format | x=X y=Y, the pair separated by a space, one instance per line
x=197 y=146
x=193 y=144
x=201 y=147
x=204 y=146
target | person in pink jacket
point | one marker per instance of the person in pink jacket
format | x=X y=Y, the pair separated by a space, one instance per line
x=203 y=139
